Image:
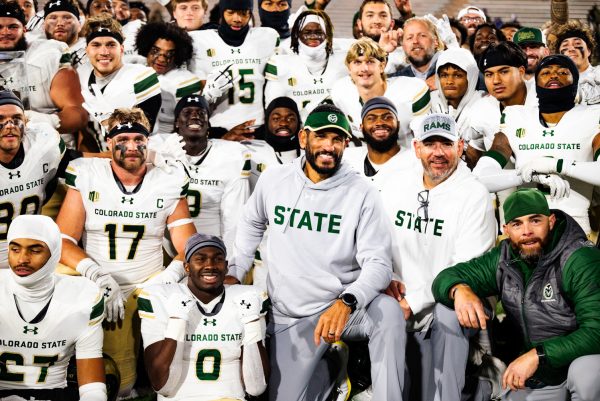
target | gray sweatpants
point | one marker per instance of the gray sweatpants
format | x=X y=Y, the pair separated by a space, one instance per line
x=582 y=384
x=295 y=358
x=451 y=350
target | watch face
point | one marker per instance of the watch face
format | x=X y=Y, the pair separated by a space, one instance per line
x=349 y=299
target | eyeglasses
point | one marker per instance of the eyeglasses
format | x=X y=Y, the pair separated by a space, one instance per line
x=477 y=20
x=312 y=35
x=422 y=211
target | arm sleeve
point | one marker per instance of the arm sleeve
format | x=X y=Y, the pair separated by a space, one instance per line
x=489 y=171
x=234 y=197
x=373 y=251
x=154 y=318
x=478 y=273
x=89 y=344
x=250 y=229
x=581 y=282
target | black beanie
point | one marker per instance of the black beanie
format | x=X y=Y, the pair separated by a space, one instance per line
x=235 y=5
x=282 y=101
x=191 y=101
x=7 y=97
x=563 y=61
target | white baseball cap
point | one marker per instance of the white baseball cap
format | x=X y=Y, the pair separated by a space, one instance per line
x=437 y=125
x=471 y=10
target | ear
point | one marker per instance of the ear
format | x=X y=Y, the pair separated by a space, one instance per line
x=461 y=147
x=552 y=221
x=303 y=138
x=505 y=229
x=359 y=24
x=186 y=267
x=417 y=147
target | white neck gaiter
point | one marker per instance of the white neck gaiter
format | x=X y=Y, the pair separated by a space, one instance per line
x=38 y=286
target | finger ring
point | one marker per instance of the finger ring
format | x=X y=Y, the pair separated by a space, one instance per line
x=331 y=334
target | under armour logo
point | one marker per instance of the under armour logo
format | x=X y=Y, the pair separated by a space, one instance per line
x=56 y=3
x=193 y=99
x=551 y=133
x=11 y=175
x=210 y=321
x=318 y=81
x=244 y=304
x=121 y=126
x=6 y=81
x=484 y=62
x=195 y=169
x=233 y=51
x=101 y=29
x=26 y=330
x=125 y=199
x=185 y=303
x=107 y=291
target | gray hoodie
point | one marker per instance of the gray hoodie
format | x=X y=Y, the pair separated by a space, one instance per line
x=324 y=239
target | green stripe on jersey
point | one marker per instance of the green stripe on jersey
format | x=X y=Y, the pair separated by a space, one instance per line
x=61 y=146
x=421 y=103
x=98 y=309
x=497 y=156
x=70 y=179
x=191 y=89
x=247 y=165
x=184 y=189
x=145 y=305
x=145 y=83
x=65 y=58
x=596 y=154
x=503 y=119
x=271 y=69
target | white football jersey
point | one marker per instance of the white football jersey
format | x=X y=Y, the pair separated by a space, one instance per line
x=570 y=139
x=410 y=96
x=218 y=188
x=211 y=366
x=245 y=101
x=35 y=354
x=124 y=231
x=130 y=31
x=401 y=161
x=174 y=85
x=262 y=155
x=23 y=187
x=288 y=75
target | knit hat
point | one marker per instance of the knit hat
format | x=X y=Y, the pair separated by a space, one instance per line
x=327 y=116
x=235 y=5
x=379 y=102
x=523 y=202
x=199 y=241
x=7 y=97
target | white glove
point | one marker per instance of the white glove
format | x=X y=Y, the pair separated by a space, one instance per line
x=541 y=165
x=98 y=108
x=168 y=152
x=588 y=93
x=180 y=305
x=37 y=117
x=114 y=301
x=171 y=275
x=444 y=30
x=559 y=187
x=218 y=82
x=249 y=306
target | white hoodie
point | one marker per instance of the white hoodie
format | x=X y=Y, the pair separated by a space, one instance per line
x=463 y=59
x=324 y=239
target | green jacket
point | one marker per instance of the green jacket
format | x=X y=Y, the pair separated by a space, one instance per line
x=580 y=286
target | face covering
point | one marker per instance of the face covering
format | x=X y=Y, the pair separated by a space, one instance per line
x=37 y=286
x=232 y=37
x=561 y=99
x=277 y=20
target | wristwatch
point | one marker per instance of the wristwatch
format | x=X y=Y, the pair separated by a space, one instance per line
x=349 y=300
x=539 y=349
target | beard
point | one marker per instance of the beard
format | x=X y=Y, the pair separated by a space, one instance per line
x=311 y=158
x=439 y=177
x=384 y=145
x=420 y=62
x=131 y=166
x=530 y=256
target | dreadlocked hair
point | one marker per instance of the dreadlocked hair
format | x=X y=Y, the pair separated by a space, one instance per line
x=152 y=31
x=295 y=35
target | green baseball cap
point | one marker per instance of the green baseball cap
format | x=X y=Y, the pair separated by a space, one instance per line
x=328 y=117
x=523 y=202
x=529 y=35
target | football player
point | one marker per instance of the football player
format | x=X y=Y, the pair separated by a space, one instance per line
x=217 y=168
x=52 y=91
x=61 y=22
x=107 y=82
x=247 y=50
x=120 y=208
x=366 y=63
x=46 y=319
x=309 y=71
x=167 y=48
x=553 y=140
x=204 y=341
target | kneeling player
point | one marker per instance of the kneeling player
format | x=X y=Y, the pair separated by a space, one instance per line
x=203 y=341
x=46 y=318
